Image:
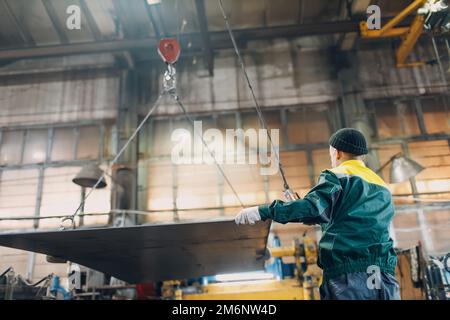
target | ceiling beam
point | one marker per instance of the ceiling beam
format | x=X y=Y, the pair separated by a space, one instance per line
x=152 y=19
x=126 y=58
x=95 y=30
x=157 y=8
x=57 y=25
x=203 y=24
x=301 y=11
x=219 y=40
x=23 y=31
x=79 y=73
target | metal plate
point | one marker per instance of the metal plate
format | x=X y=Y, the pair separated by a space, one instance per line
x=147 y=253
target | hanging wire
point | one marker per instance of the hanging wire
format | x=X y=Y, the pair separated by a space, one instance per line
x=169 y=88
x=114 y=161
x=255 y=101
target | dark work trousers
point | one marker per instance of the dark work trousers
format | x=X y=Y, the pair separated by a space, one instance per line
x=354 y=286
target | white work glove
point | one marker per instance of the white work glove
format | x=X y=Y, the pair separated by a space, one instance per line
x=248 y=216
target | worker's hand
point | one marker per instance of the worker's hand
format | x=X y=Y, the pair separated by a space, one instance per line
x=248 y=216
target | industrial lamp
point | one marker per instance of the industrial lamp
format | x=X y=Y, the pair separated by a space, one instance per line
x=402 y=169
x=88 y=177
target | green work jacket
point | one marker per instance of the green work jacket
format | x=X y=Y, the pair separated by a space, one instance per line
x=354 y=208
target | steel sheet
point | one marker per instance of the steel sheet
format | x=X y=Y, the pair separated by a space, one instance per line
x=153 y=252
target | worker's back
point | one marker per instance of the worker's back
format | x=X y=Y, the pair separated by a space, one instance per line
x=354 y=207
x=357 y=235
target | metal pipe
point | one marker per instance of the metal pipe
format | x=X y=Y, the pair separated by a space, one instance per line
x=402 y=15
x=279 y=252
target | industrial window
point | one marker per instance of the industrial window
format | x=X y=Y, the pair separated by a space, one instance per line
x=321 y=160
x=18 y=197
x=436 y=114
x=98 y=203
x=431 y=227
x=273 y=119
x=159 y=190
x=162 y=132
x=295 y=167
x=396 y=118
x=11 y=147
x=62 y=197
x=203 y=193
x=438 y=223
x=434 y=156
x=308 y=125
x=248 y=183
x=63 y=144
x=88 y=143
x=207 y=122
x=226 y=121
x=106 y=135
x=35 y=150
x=250 y=121
x=407 y=229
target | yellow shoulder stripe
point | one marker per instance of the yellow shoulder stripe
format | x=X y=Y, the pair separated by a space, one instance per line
x=360 y=170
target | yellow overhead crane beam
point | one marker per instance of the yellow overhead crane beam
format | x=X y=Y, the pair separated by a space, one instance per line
x=409 y=35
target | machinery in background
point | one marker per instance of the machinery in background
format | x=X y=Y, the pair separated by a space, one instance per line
x=438 y=275
x=14 y=287
x=291 y=273
x=423 y=277
x=437 y=16
x=306 y=271
x=296 y=280
x=432 y=16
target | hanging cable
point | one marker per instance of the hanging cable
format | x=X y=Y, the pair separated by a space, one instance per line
x=288 y=193
x=219 y=167
x=170 y=56
x=5 y=272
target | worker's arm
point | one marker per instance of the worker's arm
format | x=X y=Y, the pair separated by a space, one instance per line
x=316 y=207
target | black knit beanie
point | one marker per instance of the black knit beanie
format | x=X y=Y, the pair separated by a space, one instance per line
x=349 y=140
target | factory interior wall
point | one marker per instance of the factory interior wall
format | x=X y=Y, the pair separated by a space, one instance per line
x=295 y=72
x=61 y=125
x=49 y=130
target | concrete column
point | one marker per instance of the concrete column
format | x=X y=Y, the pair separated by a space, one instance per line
x=355 y=112
x=124 y=190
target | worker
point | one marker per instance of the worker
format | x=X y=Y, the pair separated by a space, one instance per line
x=354 y=208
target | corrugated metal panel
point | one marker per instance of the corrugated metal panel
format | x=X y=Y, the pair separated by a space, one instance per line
x=33 y=17
x=27 y=66
x=61 y=100
x=380 y=78
x=293 y=72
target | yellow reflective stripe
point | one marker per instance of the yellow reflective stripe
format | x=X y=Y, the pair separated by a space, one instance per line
x=358 y=168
